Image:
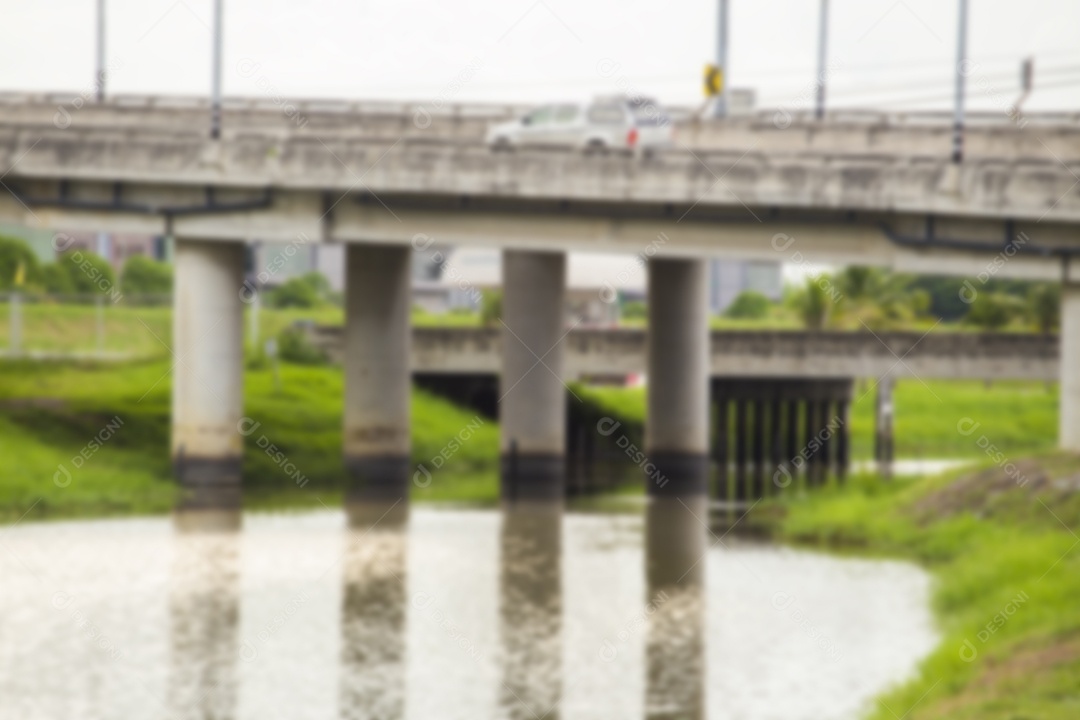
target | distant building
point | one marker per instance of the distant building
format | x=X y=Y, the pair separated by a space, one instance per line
x=114 y=247
x=728 y=278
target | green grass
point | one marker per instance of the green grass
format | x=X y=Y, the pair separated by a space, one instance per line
x=989 y=539
x=1016 y=416
x=146 y=331
x=50 y=411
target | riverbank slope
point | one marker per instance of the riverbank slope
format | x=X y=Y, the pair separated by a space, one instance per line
x=1003 y=547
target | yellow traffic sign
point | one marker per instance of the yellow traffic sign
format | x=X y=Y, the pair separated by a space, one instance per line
x=714 y=80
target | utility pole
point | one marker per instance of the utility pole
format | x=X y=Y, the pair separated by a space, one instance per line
x=961 y=79
x=720 y=109
x=99 y=76
x=215 y=88
x=823 y=37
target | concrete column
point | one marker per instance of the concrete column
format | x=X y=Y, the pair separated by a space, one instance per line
x=677 y=427
x=207 y=383
x=883 y=427
x=532 y=411
x=1069 y=421
x=377 y=438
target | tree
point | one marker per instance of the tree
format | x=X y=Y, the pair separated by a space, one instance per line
x=858 y=283
x=876 y=298
x=19 y=266
x=993 y=310
x=748 y=305
x=145 y=276
x=1044 y=306
x=813 y=302
x=306 y=291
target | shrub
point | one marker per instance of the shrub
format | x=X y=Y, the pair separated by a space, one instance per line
x=145 y=276
x=294 y=347
x=634 y=309
x=749 y=305
x=90 y=274
x=490 y=307
x=992 y=310
x=55 y=279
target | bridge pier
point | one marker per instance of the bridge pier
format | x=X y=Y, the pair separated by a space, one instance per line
x=783 y=428
x=883 y=427
x=377 y=438
x=677 y=424
x=207 y=382
x=532 y=415
x=1069 y=431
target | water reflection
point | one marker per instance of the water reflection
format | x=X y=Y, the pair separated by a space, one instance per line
x=675 y=548
x=525 y=613
x=530 y=610
x=373 y=613
x=204 y=608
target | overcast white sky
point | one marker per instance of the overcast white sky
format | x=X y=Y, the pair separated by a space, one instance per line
x=896 y=54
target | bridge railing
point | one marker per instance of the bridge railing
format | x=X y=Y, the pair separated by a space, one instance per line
x=436 y=108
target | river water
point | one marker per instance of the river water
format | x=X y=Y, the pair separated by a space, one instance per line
x=437 y=613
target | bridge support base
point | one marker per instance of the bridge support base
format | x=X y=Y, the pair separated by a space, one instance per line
x=207 y=384
x=532 y=406
x=677 y=425
x=1069 y=432
x=377 y=428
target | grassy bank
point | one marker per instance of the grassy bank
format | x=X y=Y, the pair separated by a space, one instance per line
x=1000 y=544
x=51 y=414
x=52 y=327
x=1017 y=416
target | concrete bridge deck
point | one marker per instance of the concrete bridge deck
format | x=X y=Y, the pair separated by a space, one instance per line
x=866 y=189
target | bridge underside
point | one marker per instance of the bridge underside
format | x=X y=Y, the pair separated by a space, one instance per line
x=903 y=239
x=761 y=426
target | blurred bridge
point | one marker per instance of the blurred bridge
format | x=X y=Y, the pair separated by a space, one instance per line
x=616 y=353
x=854 y=188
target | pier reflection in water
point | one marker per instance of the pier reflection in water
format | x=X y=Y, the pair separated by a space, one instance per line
x=675 y=547
x=519 y=613
x=530 y=610
x=204 y=608
x=373 y=613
